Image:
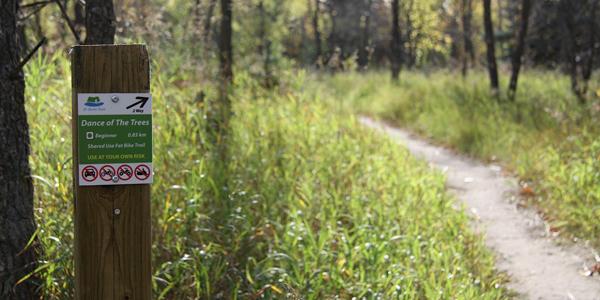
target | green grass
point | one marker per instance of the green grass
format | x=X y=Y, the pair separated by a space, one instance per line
x=310 y=206
x=546 y=137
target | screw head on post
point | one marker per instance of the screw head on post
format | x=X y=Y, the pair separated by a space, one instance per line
x=115 y=99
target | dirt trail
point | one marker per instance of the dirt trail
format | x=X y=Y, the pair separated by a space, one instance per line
x=538 y=266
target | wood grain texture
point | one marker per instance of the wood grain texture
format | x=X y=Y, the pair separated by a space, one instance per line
x=112 y=252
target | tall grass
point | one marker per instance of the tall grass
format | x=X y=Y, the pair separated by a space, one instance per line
x=310 y=206
x=545 y=136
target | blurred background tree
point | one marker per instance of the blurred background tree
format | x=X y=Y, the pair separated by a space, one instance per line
x=272 y=35
x=263 y=42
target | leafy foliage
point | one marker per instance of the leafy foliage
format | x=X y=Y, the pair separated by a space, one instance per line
x=545 y=136
x=311 y=206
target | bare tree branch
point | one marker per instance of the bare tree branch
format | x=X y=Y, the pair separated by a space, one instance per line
x=28 y=57
x=35 y=11
x=68 y=20
x=34 y=4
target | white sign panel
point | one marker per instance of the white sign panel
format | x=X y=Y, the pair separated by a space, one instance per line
x=114 y=138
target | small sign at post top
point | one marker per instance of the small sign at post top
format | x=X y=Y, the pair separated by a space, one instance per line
x=114 y=139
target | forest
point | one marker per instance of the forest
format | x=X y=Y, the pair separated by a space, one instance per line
x=308 y=149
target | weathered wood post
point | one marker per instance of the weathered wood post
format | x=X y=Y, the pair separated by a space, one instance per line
x=112 y=162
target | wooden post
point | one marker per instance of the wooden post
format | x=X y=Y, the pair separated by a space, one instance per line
x=112 y=223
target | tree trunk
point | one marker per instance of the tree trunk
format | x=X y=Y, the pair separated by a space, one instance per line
x=302 y=55
x=196 y=19
x=100 y=22
x=518 y=53
x=566 y=11
x=409 y=51
x=264 y=47
x=208 y=21
x=262 y=28
x=269 y=80
x=79 y=16
x=468 y=48
x=396 y=47
x=500 y=11
x=60 y=23
x=332 y=40
x=225 y=44
x=23 y=45
x=592 y=50
x=219 y=121
x=318 y=44
x=363 y=57
x=17 y=224
x=491 y=46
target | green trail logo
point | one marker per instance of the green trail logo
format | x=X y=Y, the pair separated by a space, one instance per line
x=93 y=102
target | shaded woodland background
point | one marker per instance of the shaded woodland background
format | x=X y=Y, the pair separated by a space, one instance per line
x=254 y=87
x=338 y=35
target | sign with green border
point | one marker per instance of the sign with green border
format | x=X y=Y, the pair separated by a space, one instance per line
x=114 y=139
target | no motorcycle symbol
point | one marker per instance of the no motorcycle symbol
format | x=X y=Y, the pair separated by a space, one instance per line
x=110 y=174
x=125 y=172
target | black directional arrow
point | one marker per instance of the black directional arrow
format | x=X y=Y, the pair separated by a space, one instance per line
x=142 y=102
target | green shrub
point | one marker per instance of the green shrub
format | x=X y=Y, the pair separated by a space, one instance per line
x=311 y=205
x=545 y=136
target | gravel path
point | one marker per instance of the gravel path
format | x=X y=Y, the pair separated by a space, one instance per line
x=538 y=266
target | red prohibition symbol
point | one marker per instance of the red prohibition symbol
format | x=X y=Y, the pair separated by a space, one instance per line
x=89 y=173
x=142 y=172
x=125 y=172
x=107 y=172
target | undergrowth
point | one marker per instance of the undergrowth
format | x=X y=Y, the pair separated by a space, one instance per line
x=310 y=205
x=545 y=136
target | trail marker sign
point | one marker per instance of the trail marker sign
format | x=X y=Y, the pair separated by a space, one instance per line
x=112 y=166
x=114 y=138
